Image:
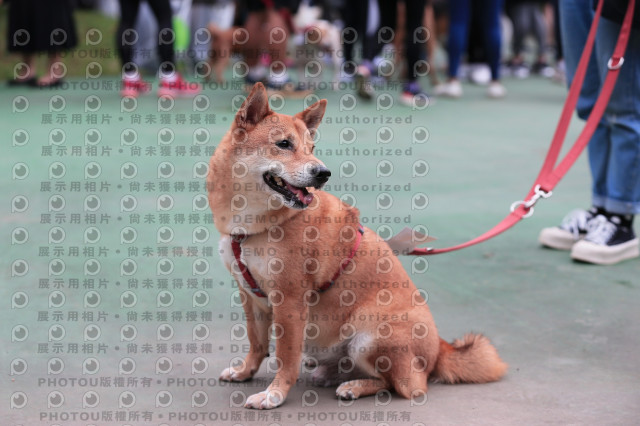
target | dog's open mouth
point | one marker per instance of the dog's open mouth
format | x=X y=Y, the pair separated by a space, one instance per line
x=300 y=197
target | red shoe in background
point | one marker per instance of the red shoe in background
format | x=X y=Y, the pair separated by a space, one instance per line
x=179 y=88
x=134 y=88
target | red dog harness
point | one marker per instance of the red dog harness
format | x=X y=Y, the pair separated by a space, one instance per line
x=236 y=240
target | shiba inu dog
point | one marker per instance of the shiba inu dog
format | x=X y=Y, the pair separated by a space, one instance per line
x=315 y=279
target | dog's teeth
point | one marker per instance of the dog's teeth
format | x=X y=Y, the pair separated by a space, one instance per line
x=278 y=180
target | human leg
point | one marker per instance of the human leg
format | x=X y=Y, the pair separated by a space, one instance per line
x=415 y=37
x=171 y=82
x=277 y=48
x=622 y=117
x=493 y=43
x=492 y=35
x=415 y=40
x=55 y=71
x=126 y=35
x=24 y=73
x=517 y=14
x=539 y=27
x=459 y=22
x=162 y=11
x=201 y=16
x=575 y=20
x=459 y=16
x=611 y=237
x=132 y=83
x=575 y=17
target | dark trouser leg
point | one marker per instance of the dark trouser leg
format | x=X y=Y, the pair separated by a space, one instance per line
x=162 y=11
x=125 y=34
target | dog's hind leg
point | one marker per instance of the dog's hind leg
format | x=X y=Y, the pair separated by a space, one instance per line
x=358 y=349
x=408 y=376
x=412 y=386
x=354 y=389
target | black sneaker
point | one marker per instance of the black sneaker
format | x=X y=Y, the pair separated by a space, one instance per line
x=608 y=241
x=572 y=229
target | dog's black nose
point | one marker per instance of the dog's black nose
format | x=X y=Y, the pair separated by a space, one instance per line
x=321 y=173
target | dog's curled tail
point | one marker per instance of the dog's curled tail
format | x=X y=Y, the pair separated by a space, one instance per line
x=472 y=359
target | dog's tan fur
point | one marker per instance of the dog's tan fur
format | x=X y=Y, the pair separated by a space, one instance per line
x=373 y=316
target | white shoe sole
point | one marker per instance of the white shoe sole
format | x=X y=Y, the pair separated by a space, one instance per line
x=496 y=91
x=557 y=238
x=410 y=101
x=587 y=251
x=448 y=90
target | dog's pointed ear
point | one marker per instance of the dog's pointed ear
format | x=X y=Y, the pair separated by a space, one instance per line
x=254 y=108
x=312 y=116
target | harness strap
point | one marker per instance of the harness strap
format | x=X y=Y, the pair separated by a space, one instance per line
x=236 y=247
x=246 y=274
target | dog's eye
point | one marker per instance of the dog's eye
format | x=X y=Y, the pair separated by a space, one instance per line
x=284 y=144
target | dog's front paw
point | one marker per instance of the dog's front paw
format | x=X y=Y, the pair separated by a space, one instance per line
x=265 y=400
x=233 y=375
x=347 y=391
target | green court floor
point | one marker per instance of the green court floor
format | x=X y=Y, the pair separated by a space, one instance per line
x=118 y=311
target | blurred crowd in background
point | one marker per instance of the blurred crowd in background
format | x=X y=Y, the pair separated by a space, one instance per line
x=416 y=48
x=427 y=47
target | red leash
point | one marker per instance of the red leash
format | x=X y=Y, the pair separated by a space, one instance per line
x=549 y=176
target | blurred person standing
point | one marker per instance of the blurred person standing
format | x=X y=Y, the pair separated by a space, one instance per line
x=604 y=234
x=363 y=16
x=40 y=26
x=528 y=18
x=268 y=25
x=415 y=39
x=459 y=22
x=204 y=13
x=171 y=82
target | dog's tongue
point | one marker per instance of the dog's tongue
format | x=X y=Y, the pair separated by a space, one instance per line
x=305 y=198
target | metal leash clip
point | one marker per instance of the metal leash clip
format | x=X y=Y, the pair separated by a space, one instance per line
x=528 y=205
